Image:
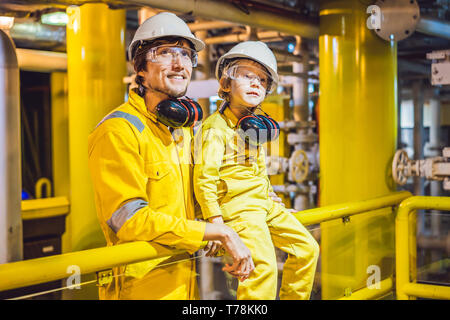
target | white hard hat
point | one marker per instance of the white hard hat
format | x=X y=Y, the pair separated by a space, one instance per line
x=253 y=50
x=164 y=24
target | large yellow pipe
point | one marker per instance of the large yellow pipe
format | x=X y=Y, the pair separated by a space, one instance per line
x=357 y=123
x=96 y=67
x=405 y=247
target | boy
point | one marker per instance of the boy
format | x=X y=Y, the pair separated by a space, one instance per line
x=231 y=182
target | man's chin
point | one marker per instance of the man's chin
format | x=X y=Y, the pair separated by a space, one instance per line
x=172 y=93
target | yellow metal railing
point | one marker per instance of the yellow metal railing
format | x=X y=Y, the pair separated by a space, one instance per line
x=29 y=272
x=406 y=289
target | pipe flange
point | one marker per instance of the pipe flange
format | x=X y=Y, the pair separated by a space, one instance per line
x=395 y=19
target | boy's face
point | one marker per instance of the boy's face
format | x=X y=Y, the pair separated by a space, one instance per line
x=248 y=85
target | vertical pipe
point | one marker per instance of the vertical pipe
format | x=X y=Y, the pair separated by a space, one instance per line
x=418 y=100
x=434 y=144
x=203 y=71
x=301 y=110
x=96 y=67
x=11 y=244
x=358 y=134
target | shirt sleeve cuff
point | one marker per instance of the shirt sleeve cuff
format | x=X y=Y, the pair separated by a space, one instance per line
x=195 y=234
x=211 y=210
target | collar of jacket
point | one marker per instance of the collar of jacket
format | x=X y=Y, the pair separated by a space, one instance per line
x=138 y=102
x=230 y=118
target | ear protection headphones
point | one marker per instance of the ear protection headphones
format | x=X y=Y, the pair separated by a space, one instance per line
x=256 y=128
x=178 y=113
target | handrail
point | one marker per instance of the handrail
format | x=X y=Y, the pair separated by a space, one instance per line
x=34 y=271
x=404 y=287
x=385 y=286
x=331 y=212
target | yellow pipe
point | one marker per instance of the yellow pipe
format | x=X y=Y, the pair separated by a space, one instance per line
x=386 y=286
x=357 y=129
x=30 y=272
x=331 y=212
x=426 y=291
x=403 y=238
x=96 y=67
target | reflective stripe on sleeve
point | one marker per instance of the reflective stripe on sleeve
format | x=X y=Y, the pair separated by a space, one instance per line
x=124 y=213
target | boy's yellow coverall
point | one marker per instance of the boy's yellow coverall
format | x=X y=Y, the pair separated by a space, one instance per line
x=232 y=182
x=142 y=180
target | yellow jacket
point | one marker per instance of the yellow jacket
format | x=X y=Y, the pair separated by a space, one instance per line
x=143 y=190
x=226 y=169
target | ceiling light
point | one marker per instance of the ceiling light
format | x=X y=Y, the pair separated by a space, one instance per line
x=6 y=22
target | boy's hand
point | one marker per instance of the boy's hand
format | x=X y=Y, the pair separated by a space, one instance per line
x=276 y=198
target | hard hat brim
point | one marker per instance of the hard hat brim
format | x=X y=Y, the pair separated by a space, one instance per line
x=197 y=43
x=226 y=57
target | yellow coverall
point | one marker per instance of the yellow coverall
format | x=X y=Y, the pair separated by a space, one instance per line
x=231 y=181
x=143 y=191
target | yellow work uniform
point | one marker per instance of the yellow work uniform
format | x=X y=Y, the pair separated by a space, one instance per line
x=142 y=177
x=230 y=180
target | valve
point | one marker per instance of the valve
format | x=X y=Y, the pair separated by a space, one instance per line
x=299 y=166
x=435 y=168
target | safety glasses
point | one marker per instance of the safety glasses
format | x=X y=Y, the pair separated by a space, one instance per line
x=169 y=54
x=250 y=74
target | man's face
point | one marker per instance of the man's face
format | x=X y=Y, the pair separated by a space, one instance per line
x=171 y=79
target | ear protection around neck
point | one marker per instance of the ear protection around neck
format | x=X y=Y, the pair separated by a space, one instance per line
x=256 y=128
x=178 y=113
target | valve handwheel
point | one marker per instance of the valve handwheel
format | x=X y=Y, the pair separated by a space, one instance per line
x=300 y=166
x=401 y=167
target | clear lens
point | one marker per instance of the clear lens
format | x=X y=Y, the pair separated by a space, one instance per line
x=169 y=54
x=250 y=74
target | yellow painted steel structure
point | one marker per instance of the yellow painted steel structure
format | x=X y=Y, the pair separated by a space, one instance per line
x=277 y=107
x=60 y=134
x=96 y=67
x=405 y=234
x=44 y=208
x=24 y=273
x=357 y=137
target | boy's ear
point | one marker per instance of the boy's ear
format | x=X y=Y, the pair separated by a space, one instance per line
x=225 y=84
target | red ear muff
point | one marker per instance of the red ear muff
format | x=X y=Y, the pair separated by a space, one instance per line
x=178 y=113
x=172 y=113
x=257 y=129
x=272 y=126
x=195 y=111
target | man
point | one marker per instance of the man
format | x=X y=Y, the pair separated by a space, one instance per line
x=142 y=176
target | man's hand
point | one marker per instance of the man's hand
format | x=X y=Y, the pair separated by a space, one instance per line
x=242 y=260
x=214 y=246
